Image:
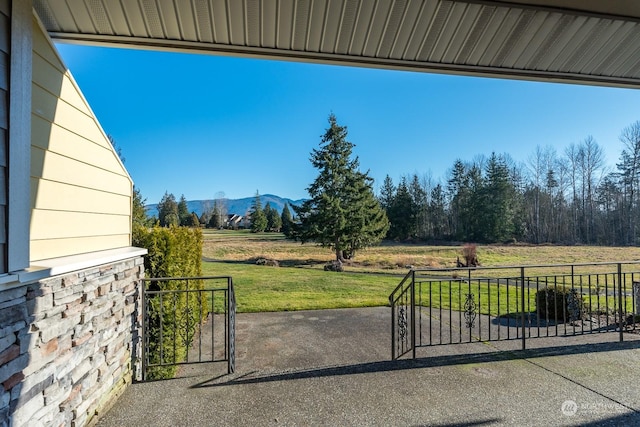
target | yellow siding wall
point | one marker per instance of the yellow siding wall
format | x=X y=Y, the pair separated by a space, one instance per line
x=80 y=191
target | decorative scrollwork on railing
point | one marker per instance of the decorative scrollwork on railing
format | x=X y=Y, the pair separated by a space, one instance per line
x=470 y=311
x=402 y=322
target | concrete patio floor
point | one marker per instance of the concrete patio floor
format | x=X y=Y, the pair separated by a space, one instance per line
x=332 y=367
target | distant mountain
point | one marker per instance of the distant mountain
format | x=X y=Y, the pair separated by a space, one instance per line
x=233 y=206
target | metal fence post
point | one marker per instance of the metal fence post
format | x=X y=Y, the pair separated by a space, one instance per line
x=524 y=343
x=231 y=327
x=143 y=331
x=635 y=289
x=393 y=328
x=620 y=313
x=413 y=313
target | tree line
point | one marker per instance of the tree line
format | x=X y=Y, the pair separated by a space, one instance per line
x=570 y=197
x=176 y=213
x=268 y=219
x=567 y=197
x=172 y=212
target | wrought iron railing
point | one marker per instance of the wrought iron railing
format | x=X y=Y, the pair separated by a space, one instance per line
x=463 y=305
x=188 y=320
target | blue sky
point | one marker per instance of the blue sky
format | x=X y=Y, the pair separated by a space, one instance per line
x=200 y=125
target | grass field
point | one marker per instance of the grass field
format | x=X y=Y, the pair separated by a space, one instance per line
x=245 y=246
x=300 y=283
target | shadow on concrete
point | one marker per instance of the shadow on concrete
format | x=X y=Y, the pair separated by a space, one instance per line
x=467 y=424
x=579 y=326
x=632 y=419
x=255 y=377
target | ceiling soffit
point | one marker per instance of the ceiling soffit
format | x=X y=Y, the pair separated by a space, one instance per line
x=564 y=40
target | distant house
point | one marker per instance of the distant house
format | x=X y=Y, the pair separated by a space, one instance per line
x=233 y=221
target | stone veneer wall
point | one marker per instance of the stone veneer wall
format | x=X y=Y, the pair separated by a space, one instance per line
x=69 y=345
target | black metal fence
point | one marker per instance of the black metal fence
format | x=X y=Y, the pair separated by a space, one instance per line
x=188 y=320
x=463 y=305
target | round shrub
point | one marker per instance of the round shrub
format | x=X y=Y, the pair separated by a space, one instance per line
x=559 y=303
x=334 y=266
x=268 y=262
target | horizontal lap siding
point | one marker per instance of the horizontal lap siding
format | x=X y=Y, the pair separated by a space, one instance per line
x=80 y=192
x=56 y=139
x=50 y=224
x=50 y=248
x=59 y=196
x=58 y=168
x=5 y=42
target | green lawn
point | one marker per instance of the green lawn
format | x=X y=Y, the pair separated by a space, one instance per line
x=262 y=288
x=301 y=284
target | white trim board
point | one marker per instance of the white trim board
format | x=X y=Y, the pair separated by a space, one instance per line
x=19 y=210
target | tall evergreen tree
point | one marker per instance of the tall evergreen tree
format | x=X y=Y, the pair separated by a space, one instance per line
x=193 y=220
x=342 y=212
x=258 y=218
x=204 y=218
x=214 y=217
x=387 y=193
x=138 y=212
x=267 y=211
x=458 y=192
x=473 y=213
x=367 y=222
x=286 y=220
x=420 y=200
x=498 y=203
x=437 y=207
x=401 y=213
x=168 y=210
x=274 y=223
x=183 y=212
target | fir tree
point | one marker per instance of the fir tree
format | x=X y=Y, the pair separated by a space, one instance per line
x=387 y=193
x=274 y=223
x=286 y=221
x=438 y=213
x=183 y=212
x=401 y=213
x=342 y=212
x=194 y=221
x=216 y=219
x=168 y=210
x=498 y=202
x=258 y=218
x=267 y=213
x=138 y=212
x=204 y=219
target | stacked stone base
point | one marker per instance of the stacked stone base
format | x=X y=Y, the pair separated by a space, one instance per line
x=69 y=344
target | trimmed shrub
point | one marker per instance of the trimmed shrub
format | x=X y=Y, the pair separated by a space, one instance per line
x=335 y=265
x=173 y=252
x=559 y=303
x=268 y=262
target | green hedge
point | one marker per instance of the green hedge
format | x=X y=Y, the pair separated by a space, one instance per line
x=173 y=252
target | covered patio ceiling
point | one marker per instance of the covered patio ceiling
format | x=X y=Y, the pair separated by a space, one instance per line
x=572 y=41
